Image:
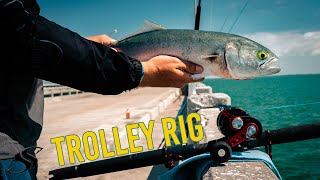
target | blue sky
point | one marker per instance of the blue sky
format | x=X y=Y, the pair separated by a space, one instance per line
x=290 y=28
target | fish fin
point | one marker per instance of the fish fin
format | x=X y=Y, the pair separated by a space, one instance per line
x=211 y=57
x=148 y=26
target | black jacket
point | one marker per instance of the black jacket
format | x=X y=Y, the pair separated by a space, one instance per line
x=34 y=48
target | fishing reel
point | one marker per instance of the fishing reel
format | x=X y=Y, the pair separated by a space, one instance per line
x=237 y=126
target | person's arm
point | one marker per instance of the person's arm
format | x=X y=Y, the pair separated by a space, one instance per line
x=87 y=64
x=64 y=57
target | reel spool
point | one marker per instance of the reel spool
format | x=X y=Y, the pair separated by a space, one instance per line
x=237 y=125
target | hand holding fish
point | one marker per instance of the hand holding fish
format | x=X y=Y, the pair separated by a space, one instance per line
x=161 y=71
x=168 y=71
x=102 y=39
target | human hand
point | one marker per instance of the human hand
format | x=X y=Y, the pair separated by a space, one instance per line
x=102 y=39
x=167 y=71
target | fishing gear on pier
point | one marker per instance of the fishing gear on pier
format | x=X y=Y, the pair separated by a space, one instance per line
x=236 y=122
x=241 y=131
x=220 y=151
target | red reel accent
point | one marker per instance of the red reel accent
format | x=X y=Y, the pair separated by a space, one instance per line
x=230 y=117
x=241 y=135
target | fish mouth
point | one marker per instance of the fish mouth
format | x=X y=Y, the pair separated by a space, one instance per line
x=267 y=68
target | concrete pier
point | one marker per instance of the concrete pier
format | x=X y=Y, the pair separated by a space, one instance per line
x=76 y=114
x=79 y=113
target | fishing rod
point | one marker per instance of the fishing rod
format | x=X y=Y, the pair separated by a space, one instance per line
x=241 y=132
x=197 y=16
x=285 y=135
x=185 y=89
x=166 y=156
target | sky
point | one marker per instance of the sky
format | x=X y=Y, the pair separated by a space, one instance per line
x=289 y=28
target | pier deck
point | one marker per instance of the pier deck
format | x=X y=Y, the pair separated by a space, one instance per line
x=79 y=113
x=76 y=114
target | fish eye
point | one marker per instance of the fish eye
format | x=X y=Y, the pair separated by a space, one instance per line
x=262 y=55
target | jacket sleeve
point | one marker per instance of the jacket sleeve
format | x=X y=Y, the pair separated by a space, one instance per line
x=64 y=57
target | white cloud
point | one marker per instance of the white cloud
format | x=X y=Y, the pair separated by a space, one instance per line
x=289 y=43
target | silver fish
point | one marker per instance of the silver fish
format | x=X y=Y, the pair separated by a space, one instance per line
x=220 y=54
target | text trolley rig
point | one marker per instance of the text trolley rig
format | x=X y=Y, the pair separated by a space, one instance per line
x=242 y=132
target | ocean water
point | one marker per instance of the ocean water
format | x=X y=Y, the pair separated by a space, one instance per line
x=297 y=160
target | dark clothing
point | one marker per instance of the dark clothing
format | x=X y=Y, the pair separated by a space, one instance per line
x=34 y=48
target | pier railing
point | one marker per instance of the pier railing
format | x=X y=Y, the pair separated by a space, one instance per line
x=53 y=90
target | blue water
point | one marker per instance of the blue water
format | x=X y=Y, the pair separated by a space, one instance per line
x=298 y=160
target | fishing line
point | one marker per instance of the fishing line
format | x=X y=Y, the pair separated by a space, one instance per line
x=211 y=17
x=224 y=23
x=284 y=106
x=242 y=10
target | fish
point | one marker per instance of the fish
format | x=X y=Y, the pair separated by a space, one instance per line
x=220 y=54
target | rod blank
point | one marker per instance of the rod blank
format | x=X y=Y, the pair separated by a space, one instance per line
x=132 y=161
x=287 y=135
